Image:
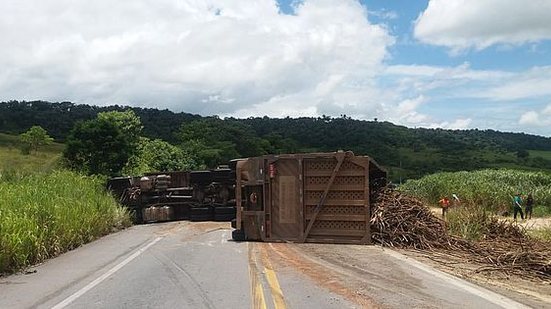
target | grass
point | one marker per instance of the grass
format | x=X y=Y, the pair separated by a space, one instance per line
x=540 y=154
x=490 y=189
x=542 y=233
x=44 y=211
x=467 y=222
x=43 y=215
x=12 y=160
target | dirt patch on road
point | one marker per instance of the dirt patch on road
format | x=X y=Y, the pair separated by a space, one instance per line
x=365 y=275
x=321 y=274
x=194 y=229
x=206 y=227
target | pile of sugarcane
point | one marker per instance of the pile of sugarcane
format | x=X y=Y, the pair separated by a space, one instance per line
x=399 y=220
x=402 y=221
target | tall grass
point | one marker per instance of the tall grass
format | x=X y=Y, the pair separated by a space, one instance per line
x=43 y=215
x=490 y=189
x=468 y=222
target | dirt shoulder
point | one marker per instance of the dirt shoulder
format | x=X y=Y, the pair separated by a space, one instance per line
x=536 y=294
x=371 y=274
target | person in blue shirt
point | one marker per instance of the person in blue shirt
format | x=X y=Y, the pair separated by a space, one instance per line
x=517 y=207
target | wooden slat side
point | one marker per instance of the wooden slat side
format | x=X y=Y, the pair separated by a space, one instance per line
x=333 y=232
x=343 y=187
x=310 y=202
x=337 y=217
x=340 y=159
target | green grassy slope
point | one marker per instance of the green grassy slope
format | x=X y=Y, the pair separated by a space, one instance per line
x=11 y=158
x=540 y=154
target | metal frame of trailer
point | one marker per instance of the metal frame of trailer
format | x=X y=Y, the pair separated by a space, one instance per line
x=314 y=197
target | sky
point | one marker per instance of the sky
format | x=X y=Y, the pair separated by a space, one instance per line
x=453 y=64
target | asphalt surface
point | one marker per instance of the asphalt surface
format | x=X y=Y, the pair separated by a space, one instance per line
x=196 y=265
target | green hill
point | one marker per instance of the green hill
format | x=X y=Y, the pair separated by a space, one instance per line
x=405 y=152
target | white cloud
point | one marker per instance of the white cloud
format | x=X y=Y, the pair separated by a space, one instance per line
x=406 y=112
x=463 y=82
x=537 y=118
x=384 y=14
x=530 y=118
x=532 y=83
x=459 y=124
x=470 y=98
x=203 y=56
x=464 y=24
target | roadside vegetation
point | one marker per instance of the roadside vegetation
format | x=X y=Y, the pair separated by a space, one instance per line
x=492 y=190
x=45 y=214
x=484 y=195
x=13 y=158
x=46 y=210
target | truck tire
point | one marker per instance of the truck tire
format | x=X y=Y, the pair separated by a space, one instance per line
x=224 y=217
x=238 y=235
x=201 y=214
x=136 y=215
x=224 y=213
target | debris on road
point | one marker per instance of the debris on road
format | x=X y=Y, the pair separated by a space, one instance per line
x=402 y=221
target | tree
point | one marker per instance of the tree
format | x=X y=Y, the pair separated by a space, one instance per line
x=156 y=156
x=103 y=145
x=127 y=121
x=215 y=141
x=522 y=154
x=36 y=136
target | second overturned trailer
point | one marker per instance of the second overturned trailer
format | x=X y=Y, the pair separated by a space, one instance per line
x=315 y=197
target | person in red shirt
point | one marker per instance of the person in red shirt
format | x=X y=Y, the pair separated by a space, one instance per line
x=445 y=204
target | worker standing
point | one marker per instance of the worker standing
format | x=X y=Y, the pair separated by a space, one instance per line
x=517 y=207
x=529 y=206
x=445 y=204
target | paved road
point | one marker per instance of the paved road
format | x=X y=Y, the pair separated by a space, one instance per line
x=196 y=265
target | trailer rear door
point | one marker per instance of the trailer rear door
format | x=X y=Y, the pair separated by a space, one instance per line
x=286 y=204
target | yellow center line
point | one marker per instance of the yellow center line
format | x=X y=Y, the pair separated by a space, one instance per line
x=257 y=292
x=277 y=294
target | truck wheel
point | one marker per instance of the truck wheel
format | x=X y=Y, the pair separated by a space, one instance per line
x=238 y=235
x=224 y=213
x=200 y=214
x=224 y=217
x=137 y=216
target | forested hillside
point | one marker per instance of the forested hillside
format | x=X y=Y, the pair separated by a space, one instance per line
x=59 y=118
x=406 y=152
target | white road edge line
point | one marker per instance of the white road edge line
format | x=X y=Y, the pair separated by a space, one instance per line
x=110 y=272
x=479 y=291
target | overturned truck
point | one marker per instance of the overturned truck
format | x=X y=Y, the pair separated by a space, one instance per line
x=313 y=197
x=182 y=195
x=316 y=197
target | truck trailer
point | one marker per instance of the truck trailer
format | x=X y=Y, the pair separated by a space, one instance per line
x=309 y=197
